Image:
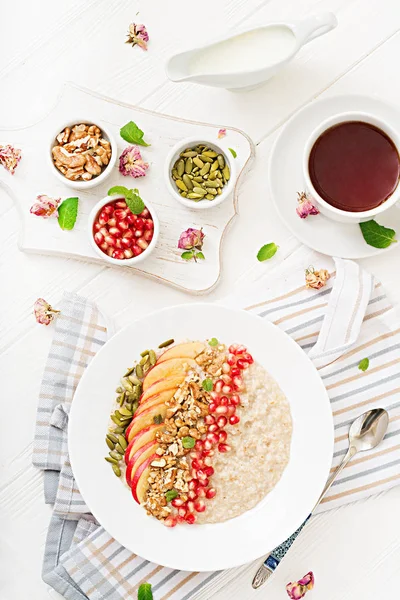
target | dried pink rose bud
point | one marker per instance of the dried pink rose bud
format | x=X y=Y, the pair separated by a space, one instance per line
x=45 y=206
x=221 y=133
x=44 y=313
x=138 y=35
x=9 y=158
x=191 y=238
x=305 y=207
x=131 y=162
x=316 y=279
x=298 y=590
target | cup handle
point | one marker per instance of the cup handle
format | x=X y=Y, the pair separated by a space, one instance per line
x=314 y=26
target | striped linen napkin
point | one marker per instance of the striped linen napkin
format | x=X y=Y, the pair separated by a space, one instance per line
x=347 y=320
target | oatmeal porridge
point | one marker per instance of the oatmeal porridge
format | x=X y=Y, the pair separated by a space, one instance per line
x=200 y=433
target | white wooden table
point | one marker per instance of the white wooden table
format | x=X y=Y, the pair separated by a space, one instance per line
x=355 y=551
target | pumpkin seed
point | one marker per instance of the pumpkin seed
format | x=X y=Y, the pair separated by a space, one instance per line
x=221 y=161
x=127 y=384
x=205 y=169
x=122 y=442
x=116 y=470
x=144 y=353
x=219 y=191
x=188 y=154
x=166 y=343
x=181 y=185
x=198 y=162
x=209 y=197
x=110 y=444
x=120 y=399
x=129 y=371
x=115 y=455
x=112 y=437
x=134 y=380
x=188 y=165
x=213 y=184
x=210 y=153
x=111 y=460
x=144 y=360
x=212 y=175
x=226 y=172
x=180 y=167
x=139 y=371
x=205 y=158
x=211 y=191
x=175 y=173
x=183 y=194
x=187 y=181
x=126 y=419
x=199 y=190
x=115 y=420
x=195 y=170
x=198 y=179
x=152 y=357
x=195 y=196
x=135 y=407
x=119 y=449
x=119 y=390
x=214 y=166
x=119 y=429
x=124 y=411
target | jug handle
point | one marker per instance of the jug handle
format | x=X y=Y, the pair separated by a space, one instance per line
x=313 y=27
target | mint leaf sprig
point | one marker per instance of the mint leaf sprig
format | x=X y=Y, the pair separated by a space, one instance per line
x=133 y=200
x=377 y=235
x=145 y=592
x=266 y=252
x=67 y=213
x=133 y=134
x=363 y=364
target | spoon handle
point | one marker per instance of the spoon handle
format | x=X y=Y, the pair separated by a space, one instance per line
x=274 y=558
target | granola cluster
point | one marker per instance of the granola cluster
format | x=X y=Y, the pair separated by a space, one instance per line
x=184 y=418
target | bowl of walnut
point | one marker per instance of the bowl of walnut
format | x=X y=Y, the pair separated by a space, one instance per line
x=82 y=154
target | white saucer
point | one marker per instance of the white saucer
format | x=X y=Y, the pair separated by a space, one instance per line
x=286 y=179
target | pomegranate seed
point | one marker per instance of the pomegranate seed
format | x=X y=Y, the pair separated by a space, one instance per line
x=222 y=436
x=103 y=218
x=190 y=518
x=233 y=348
x=214 y=396
x=170 y=521
x=213 y=428
x=221 y=410
x=180 y=519
x=212 y=407
x=226 y=389
x=193 y=483
x=224 y=401
x=240 y=349
x=128 y=234
x=226 y=368
x=200 y=506
x=195 y=454
x=231 y=360
x=138 y=233
x=136 y=250
x=177 y=502
x=226 y=378
x=201 y=492
x=128 y=253
x=192 y=495
x=104 y=247
x=104 y=231
x=234 y=419
x=139 y=223
x=235 y=372
x=120 y=214
x=98 y=238
x=197 y=464
x=235 y=399
x=199 y=445
x=142 y=243
x=112 y=222
x=207 y=453
x=149 y=224
x=208 y=445
x=207 y=461
x=115 y=231
x=120 y=204
x=110 y=251
x=145 y=213
x=213 y=438
x=222 y=421
x=218 y=385
x=108 y=209
x=224 y=447
x=209 y=419
x=209 y=471
x=182 y=512
x=231 y=410
x=248 y=358
x=127 y=243
x=242 y=364
x=131 y=218
x=190 y=506
x=210 y=493
x=238 y=382
x=118 y=243
x=118 y=254
x=96 y=227
x=110 y=240
x=148 y=236
x=123 y=225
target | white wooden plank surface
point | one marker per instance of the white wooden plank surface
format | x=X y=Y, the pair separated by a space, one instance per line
x=354 y=551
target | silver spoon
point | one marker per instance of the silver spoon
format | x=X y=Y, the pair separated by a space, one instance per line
x=366 y=432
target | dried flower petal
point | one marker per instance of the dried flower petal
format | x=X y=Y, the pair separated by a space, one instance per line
x=298 y=590
x=131 y=162
x=221 y=133
x=45 y=206
x=191 y=238
x=305 y=206
x=9 y=158
x=44 y=313
x=138 y=35
x=316 y=279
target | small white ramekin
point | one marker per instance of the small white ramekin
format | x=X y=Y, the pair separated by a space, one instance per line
x=173 y=155
x=84 y=185
x=127 y=261
x=326 y=209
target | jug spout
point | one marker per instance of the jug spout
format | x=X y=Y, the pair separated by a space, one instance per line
x=177 y=67
x=314 y=26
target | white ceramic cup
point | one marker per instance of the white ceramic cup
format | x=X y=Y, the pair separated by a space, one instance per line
x=127 y=261
x=328 y=210
x=84 y=185
x=173 y=155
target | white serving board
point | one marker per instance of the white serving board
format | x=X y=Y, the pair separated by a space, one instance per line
x=34 y=176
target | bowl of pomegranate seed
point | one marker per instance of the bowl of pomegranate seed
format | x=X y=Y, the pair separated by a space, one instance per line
x=118 y=235
x=199 y=173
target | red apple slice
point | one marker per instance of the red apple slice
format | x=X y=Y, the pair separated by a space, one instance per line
x=168 y=368
x=185 y=350
x=160 y=398
x=146 y=418
x=161 y=386
x=140 y=455
x=140 y=484
x=143 y=437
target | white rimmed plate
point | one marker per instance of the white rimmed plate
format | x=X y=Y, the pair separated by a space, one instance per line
x=239 y=540
x=286 y=178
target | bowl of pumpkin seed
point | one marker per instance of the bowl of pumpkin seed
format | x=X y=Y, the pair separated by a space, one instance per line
x=199 y=174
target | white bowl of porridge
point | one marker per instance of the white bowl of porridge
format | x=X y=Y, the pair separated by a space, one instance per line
x=203 y=437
